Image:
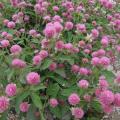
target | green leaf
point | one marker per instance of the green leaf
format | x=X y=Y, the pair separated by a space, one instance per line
x=46 y=64
x=38 y=87
x=36 y=100
x=31 y=113
x=60 y=72
x=110 y=76
x=63 y=58
x=53 y=90
x=20 y=99
x=56 y=111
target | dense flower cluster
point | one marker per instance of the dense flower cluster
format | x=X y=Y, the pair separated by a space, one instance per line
x=56 y=57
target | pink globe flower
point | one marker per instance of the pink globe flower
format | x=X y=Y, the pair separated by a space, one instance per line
x=18 y=63
x=106 y=97
x=5 y=43
x=16 y=49
x=117 y=100
x=81 y=28
x=11 y=89
x=107 y=108
x=11 y=25
x=43 y=54
x=4 y=104
x=33 y=32
x=53 y=102
x=24 y=107
x=95 y=61
x=95 y=33
x=68 y=25
x=75 y=68
x=56 y=8
x=87 y=98
x=45 y=43
x=83 y=84
x=14 y=3
x=73 y=99
x=52 y=66
x=103 y=84
x=68 y=46
x=83 y=71
x=105 y=41
x=4 y=34
x=105 y=61
x=59 y=45
x=37 y=60
x=33 y=78
x=78 y=113
x=118 y=79
x=50 y=31
x=5 y=22
x=58 y=27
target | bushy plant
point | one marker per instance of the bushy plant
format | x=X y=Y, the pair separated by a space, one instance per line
x=55 y=57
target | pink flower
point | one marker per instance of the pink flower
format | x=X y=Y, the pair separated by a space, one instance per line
x=5 y=43
x=118 y=48
x=68 y=46
x=106 y=97
x=95 y=61
x=14 y=3
x=81 y=28
x=105 y=61
x=52 y=66
x=33 y=32
x=117 y=100
x=68 y=25
x=11 y=25
x=58 y=27
x=37 y=60
x=5 y=22
x=43 y=54
x=18 y=63
x=4 y=104
x=50 y=31
x=24 y=107
x=45 y=43
x=33 y=78
x=56 y=8
x=75 y=68
x=83 y=84
x=11 y=89
x=4 y=34
x=78 y=113
x=101 y=52
x=73 y=99
x=103 y=84
x=118 y=79
x=95 y=33
x=16 y=49
x=87 y=98
x=105 y=41
x=53 y=102
x=83 y=71
x=107 y=108
x=59 y=45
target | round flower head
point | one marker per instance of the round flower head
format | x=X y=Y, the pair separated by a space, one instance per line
x=37 y=60
x=107 y=108
x=52 y=66
x=75 y=68
x=18 y=63
x=81 y=28
x=95 y=61
x=53 y=102
x=59 y=45
x=11 y=25
x=83 y=71
x=118 y=79
x=43 y=54
x=33 y=32
x=87 y=98
x=103 y=84
x=5 y=43
x=73 y=99
x=95 y=33
x=117 y=100
x=78 y=113
x=50 y=31
x=24 y=107
x=106 y=97
x=68 y=25
x=58 y=27
x=4 y=104
x=15 y=49
x=33 y=78
x=11 y=89
x=105 y=61
x=83 y=84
